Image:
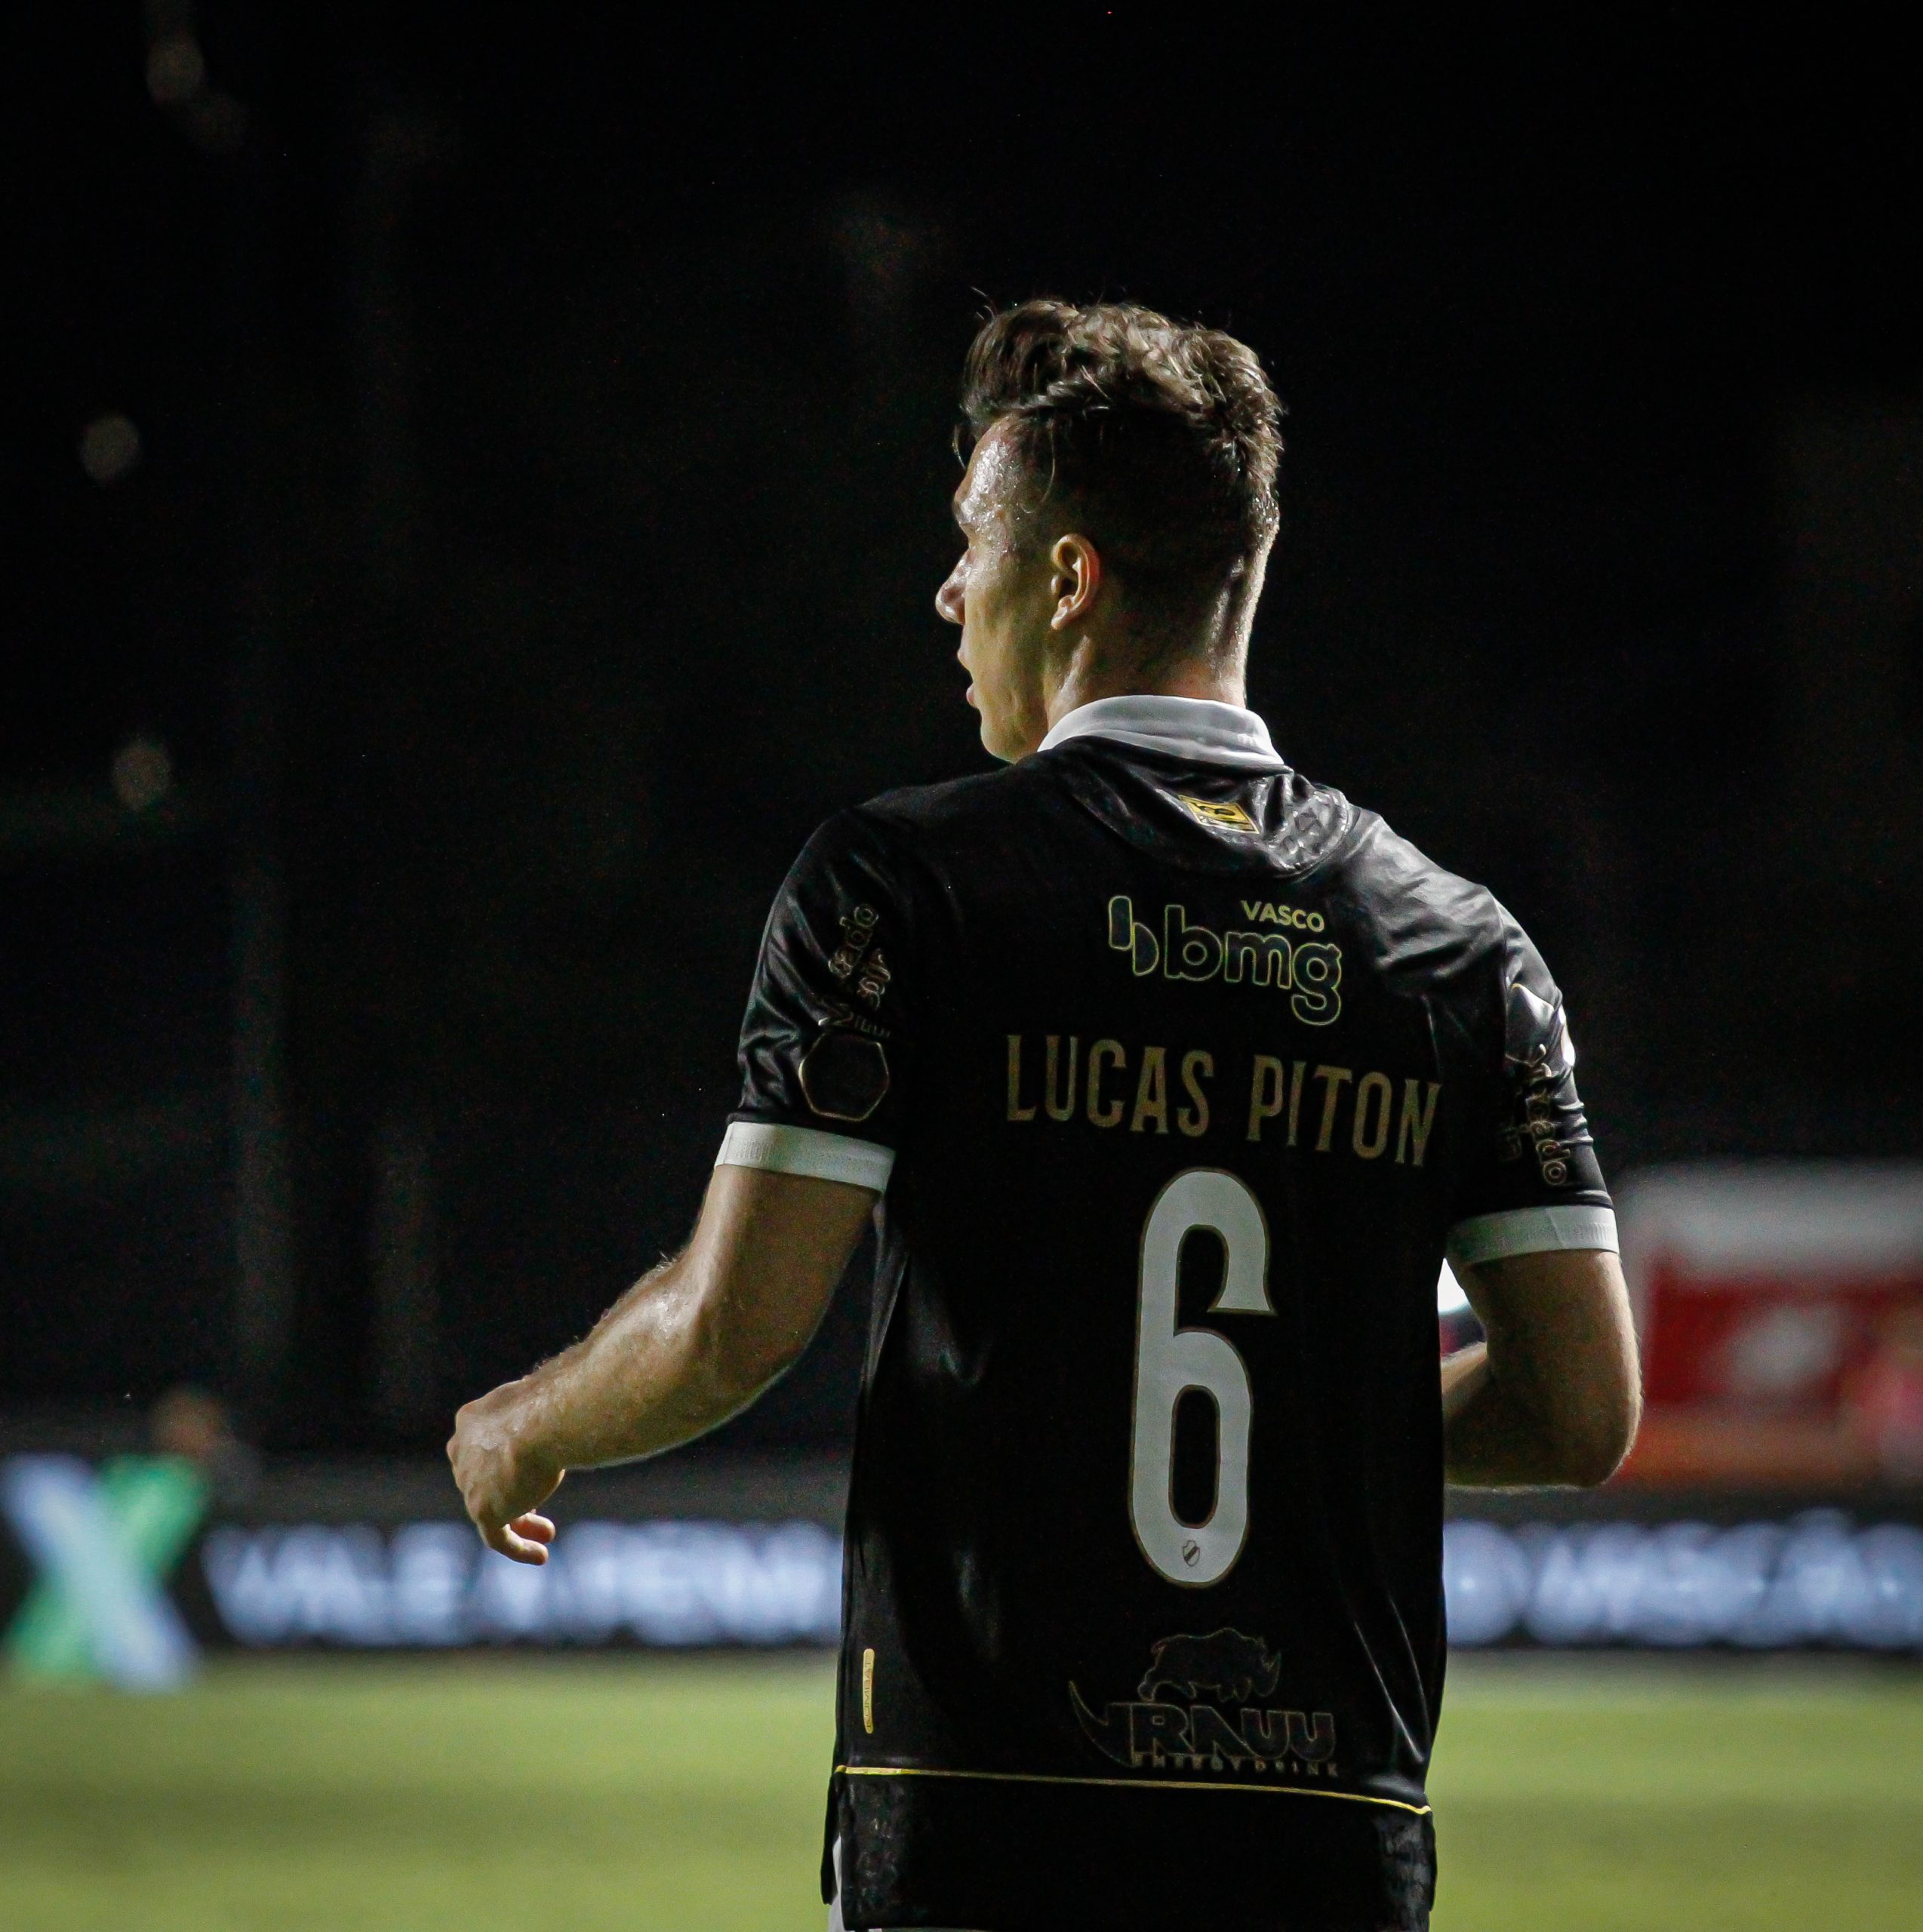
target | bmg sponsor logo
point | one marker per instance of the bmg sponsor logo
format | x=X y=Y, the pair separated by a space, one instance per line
x=1309 y=971
x=1202 y=1705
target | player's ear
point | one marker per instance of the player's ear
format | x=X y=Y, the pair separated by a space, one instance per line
x=1077 y=565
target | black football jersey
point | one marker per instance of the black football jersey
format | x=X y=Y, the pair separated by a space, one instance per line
x=1179 y=1078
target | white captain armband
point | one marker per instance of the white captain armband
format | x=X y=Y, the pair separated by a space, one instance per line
x=1530 y=1231
x=807 y=1151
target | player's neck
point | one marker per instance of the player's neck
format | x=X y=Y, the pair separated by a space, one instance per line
x=1089 y=678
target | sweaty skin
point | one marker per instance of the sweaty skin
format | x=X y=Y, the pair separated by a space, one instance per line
x=685 y=1348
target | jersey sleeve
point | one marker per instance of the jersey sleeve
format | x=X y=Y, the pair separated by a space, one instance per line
x=826 y=1070
x=1534 y=1182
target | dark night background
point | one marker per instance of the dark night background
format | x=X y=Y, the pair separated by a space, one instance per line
x=541 y=492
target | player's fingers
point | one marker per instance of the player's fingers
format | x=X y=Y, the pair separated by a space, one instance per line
x=537 y=1529
x=503 y=1538
x=520 y=1547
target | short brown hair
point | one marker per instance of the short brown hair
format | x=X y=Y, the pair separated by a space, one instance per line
x=1165 y=436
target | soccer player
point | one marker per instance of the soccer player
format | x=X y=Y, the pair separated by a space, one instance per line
x=1167 y=1075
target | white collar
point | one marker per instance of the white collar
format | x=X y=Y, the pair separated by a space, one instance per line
x=1191 y=727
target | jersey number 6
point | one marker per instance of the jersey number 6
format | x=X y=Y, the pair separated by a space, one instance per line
x=1170 y=1360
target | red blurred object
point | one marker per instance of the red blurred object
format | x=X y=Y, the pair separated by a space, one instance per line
x=1780 y=1307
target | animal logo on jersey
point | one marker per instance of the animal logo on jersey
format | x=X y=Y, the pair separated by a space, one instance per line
x=1202 y=1705
x=1226 y=1662
x=1309 y=971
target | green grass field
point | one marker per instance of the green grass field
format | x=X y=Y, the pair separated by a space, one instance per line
x=412 y=1798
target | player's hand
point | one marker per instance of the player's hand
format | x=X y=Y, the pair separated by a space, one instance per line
x=501 y=1474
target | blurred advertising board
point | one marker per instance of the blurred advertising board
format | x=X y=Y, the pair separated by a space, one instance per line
x=130 y=1569
x=126 y=1569
x=1780 y=1309
x=433 y=1585
x=1817 y=1578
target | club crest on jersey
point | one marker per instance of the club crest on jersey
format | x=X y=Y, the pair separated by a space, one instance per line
x=1223 y=813
x=1202 y=1705
x=1309 y=971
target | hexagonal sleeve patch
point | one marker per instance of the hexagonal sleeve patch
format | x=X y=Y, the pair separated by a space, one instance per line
x=844 y=1075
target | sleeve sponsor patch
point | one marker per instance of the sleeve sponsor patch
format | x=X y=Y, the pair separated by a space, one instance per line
x=844 y=1075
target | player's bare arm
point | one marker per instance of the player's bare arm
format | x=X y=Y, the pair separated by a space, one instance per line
x=686 y=1347
x=1553 y=1396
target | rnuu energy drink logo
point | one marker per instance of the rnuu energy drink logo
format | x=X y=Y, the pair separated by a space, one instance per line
x=1204 y=1705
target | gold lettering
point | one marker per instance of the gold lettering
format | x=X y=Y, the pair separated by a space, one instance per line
x=1334 y=1079
x=1264 y=956
x=1318 y=973
x=1194 y=1121
x=1368 y=1142
x=1266 y=1089
x=1413 y=1128
x=1295 y=1097
x=1016 y=1110
x=1152 y=1091
x=1061 y=1100
x=1110 y=1050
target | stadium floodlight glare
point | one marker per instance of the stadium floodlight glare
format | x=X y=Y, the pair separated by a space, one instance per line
x=109 y=448
x=143 y=774
x=177 y=70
